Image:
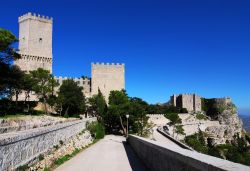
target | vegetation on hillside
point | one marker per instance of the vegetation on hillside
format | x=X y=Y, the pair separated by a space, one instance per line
x=213 y=108
x=175 y=121
x=237 y=151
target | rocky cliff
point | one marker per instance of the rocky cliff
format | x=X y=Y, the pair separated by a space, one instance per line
x=230 y=123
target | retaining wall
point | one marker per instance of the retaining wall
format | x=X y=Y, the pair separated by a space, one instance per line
x=19 y=148
x=161 y=157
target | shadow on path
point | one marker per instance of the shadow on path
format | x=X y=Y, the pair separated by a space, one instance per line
x=134 y=161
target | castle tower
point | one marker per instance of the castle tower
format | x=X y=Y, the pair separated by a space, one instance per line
x=107 y=77
x=35 y=42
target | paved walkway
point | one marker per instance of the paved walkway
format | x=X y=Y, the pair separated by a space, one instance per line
x=162 y=139
x=109 y=154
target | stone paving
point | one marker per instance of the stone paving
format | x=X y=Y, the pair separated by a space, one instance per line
x=111 y=153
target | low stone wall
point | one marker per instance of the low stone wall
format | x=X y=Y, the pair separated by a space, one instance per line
x=19 y=148
x=161 y=157
x=182 y=145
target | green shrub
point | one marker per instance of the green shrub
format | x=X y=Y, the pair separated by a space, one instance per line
x=197 y=142
x=61 y=142
x=22 y=168
x=41 y=157
x=56 y=147
x=75 y=152
x=61 y=160
x=201 y=116
x=46 y=169
x=96 y=129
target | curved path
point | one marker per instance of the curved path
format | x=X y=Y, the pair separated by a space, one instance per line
x=111 y=153
x=162 y=139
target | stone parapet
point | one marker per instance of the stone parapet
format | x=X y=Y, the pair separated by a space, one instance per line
x=161 y=157
x=19 y=148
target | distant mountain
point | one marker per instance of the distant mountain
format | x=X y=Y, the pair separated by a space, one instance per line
x=246 y=121
x=244 y=111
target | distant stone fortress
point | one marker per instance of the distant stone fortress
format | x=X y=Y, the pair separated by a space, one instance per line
x=35 y=48
x=192 y=102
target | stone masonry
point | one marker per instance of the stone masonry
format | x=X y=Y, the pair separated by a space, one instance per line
x=191 y=102
x=19 y=148
x=85 y=83
x=35 y=48
x=35 y=42
x=107 y=77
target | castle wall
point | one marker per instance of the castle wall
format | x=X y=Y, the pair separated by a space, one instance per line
x=107 y=77
x=35 y=42
x=197 y=103
x=188 y=102
x=30 y=63
x=82 y=82
x=191 y=102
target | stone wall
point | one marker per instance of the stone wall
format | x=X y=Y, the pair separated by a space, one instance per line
x=82 y=82
x=35 y=42
x=161 y=157
x=107 y=77
x=191 y=102
x=19 y=148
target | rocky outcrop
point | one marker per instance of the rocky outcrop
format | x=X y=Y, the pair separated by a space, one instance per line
x=230 y=125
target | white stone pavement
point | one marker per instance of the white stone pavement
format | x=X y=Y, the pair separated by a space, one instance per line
x=162 y=139
x=109 y=154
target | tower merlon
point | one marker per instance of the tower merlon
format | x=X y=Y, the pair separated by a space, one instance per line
x=107 y=64
x=35 y=16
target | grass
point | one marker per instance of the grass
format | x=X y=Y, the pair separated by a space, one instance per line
x=63 y=159
x=17 y=116
x=67 y=157
x=12 y=116
x=46 y=169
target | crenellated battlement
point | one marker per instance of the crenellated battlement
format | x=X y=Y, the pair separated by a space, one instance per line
x=107 y=64
x=35 y=16
x=73 y=78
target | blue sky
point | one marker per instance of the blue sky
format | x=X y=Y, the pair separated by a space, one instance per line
x=167 y=46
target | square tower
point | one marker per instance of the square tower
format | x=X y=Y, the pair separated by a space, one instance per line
x=35 y=42
x=107 y=77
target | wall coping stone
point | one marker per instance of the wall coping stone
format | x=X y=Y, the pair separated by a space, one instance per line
x=192 y=158
x=12 y=137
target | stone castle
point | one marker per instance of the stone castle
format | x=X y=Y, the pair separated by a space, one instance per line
x=35 y=42
x=191 y=102
x=35 y=48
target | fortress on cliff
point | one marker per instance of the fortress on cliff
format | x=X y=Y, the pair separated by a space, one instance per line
x=35 y=48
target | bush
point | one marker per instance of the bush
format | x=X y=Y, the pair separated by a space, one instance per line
x=61 y=160
x=41 y=157
x=96 y=129
x=201 y=116
x=46 y=169
x=197 y=142
x=183 y=110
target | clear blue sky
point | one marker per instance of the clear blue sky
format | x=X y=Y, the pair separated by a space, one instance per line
x=168 y=46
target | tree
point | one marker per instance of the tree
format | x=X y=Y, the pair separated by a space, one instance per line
x=7 y=55
x=179 y=130
x=72 y=98
x=138 y=118
x=117 y=110
x=174 y=120
x=43 y=81
x=98 y=106
x=16 y=81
